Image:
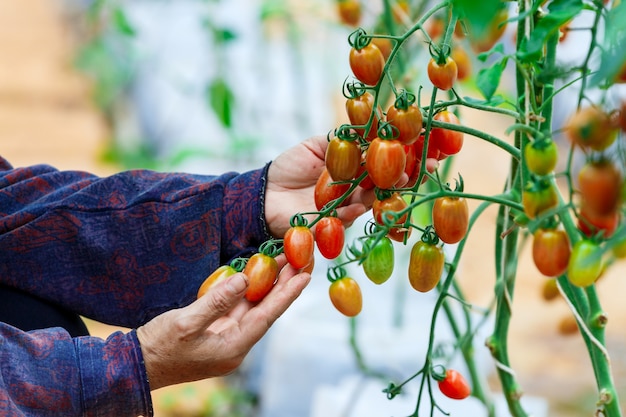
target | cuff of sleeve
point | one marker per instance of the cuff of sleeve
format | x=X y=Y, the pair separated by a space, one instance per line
x=113 y=376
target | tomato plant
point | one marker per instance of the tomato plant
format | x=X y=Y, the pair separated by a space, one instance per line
x=442 y=72
x=330 y=236
x=359 y=109
x=406 y=117
x=367 y=63
x=379 y=262
x=299 y=245
x=426 y=262
x=385 y=162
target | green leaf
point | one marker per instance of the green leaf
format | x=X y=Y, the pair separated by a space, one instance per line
x=477 y=14
x=121 y=22
x=559 y=13
x=221 y=99
x=488 y=79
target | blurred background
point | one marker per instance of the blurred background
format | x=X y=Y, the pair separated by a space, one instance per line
x=212 y=86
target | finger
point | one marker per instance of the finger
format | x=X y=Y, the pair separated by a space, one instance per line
x=261 y=317
x=350 y=213
x=219 y=300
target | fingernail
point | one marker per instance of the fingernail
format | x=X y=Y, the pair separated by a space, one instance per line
x=238 y=283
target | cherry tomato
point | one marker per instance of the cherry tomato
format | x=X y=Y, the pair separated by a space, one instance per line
x=359 y=110
x=492 y=34
x=585 y=263
x=538 y=197
x=599 y=184
x=366 y=183
x=399 y=234
x=349 y=12
x=412 y=166
x=590 y=128
x=261 y=271
x=454 y=385
x=298 y=246
x=367 y=64
x=385 y=162
x=443 y=74
x=325 y=191
x=401 y=10
x=541 y=156
x=449 y=142
x=343 y=159
x=463 y=62
x=425 y=265
x=450 y=218
x=390 y=207
x=218 y=275
x=379 y=263
x=385 y=46
x=330 y=237
x=549 y=290
x=551 y=251
x=408 y=121
x=345 y=294
x=432 y=151
x=591 y=224
x=568 y=325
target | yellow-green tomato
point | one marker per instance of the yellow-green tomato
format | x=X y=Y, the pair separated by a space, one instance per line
x=345 y=294
x=541 y=156
x=585 y=263
x=425 y=266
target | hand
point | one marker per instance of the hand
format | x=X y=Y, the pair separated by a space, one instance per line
x=211 y=336
x=291 y=183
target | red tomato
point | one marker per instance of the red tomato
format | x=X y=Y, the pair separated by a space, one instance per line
x=408 y=122
x=443 y=75
x=349 y=12
x=450 y=218
x=590 y=223
x=343 y=159
x=325 y=191
x=359 y=110
x=367 y=64
x=392 y=206
x=330 y=237
x=551 y=251
x=218 y=275
x=600 y=184
x=431 y=152
x=425 y=266
x=366 y=183
x=345 y=294
x=591 y=128
x=449 y=142
x=298 y=246
x=261 y=271
x=412 y=165
x=385 y=162
x=454 y=385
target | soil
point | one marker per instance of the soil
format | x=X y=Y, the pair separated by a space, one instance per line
x=47 y=116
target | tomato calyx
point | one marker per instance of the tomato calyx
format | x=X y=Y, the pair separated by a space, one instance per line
x=238 y=264
x=353 y=89
x=271 y=248
x=387 y=131
x=298 y=220
x=438 y=372
x=430 y=236
x=359 y=39
x=404 y=100
x=336 y=273
x=439 y=54
x=345 y=132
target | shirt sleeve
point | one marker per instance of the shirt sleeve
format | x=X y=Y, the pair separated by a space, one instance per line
x=125 y=248
x=92 y=377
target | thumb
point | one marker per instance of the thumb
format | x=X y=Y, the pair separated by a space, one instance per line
x=218 y=300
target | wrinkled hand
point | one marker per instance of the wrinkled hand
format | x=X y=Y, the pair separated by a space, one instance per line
x=212 y=336
x=291 y=183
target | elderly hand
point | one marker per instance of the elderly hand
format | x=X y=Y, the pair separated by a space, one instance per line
x=211 y=336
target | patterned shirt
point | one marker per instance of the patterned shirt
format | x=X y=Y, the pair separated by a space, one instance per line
x=119 y=250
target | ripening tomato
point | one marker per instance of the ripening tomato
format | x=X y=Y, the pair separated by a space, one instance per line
x=262 y=271
x=585 y=264
x=491 y=35
x=366 y=183
x=359 y=110
x=408 y=121
x=591 y=128
x=454 y=385
x=538 y=197
x=541 y=156
x=463 y=62
x=591 y=224
x=218 y=275
x=298 y=246
x=330 y=236
x=450 y=218
x=432 y=151
x=568 y=325
x=325 y=191
x=442 y=74
x=425 y=265
x=379 y=263
x=549 y=290
x=599 y=183
x=435 y=27
x=349 y=12
x=412 y=166
x=389 y=208
x=449 y=142
x=385 y=46
x=385 y=162
x=343 y=159
x=551 y=251
x=345 y=294
x=367 y=64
